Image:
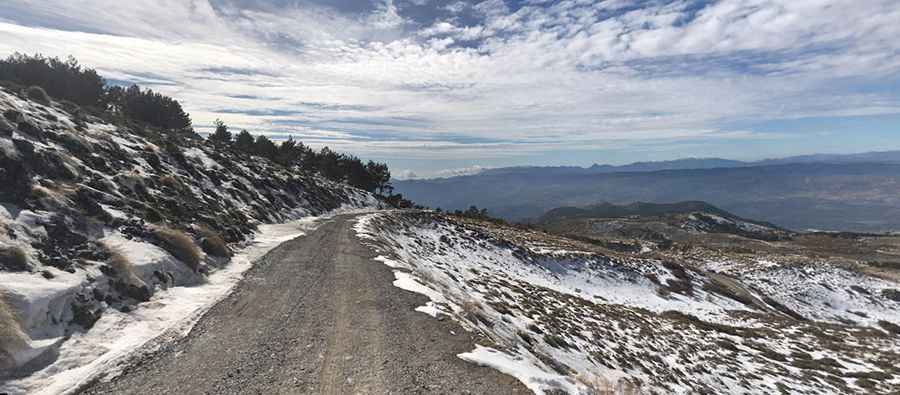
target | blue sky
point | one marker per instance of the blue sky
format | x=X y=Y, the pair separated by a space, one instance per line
x=438 y=87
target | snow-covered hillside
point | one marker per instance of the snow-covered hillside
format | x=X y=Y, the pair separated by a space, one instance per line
x=563 y=317
x=97 y=218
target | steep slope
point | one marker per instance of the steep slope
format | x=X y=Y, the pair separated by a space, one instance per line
x=564 y=315
x=99 y=216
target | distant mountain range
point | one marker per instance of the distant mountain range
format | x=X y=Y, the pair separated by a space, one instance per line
x=704 y=163
x=858 y=192
x=641 y=209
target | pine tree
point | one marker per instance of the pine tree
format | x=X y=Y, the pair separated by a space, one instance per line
x=221 y=136
x=265 y=148
x=289 y=152
x=244 y=142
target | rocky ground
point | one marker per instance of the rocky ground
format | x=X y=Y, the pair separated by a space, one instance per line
x=701 y=237
x=575 y=315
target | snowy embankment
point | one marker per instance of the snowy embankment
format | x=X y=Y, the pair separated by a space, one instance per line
x=170 y=314
x=588 y=323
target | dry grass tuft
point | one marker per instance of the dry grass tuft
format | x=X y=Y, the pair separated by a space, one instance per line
x=599 y=385
x=180 y=245
x=12 y=338
x=472 y=306
x=124 y=268
x=172 y=183
x=39 y=191
x=473 y=311
x=129 y=282
x=212 y=243
x=13 y=258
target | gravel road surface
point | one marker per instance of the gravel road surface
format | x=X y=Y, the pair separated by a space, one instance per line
x=315 y=316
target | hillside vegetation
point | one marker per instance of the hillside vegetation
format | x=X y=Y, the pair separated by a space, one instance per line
x=108 y=196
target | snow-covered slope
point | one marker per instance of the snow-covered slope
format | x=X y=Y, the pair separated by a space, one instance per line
x=562 y=317
x=96 y=218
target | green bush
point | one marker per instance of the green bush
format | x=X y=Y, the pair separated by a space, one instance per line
x=37 y=94
x=149 y=107
x=62 y=79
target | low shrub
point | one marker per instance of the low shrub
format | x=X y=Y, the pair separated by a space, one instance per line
x=890 y=327
x=891 y=294
x=729 y=288
x=556 y=342
x=180 y=245
x=13 y=258
x=37 y=94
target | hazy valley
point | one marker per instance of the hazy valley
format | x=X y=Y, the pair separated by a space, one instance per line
x=826 y=195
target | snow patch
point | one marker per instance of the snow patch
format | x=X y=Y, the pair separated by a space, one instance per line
x=586 y=323
x=535 y=378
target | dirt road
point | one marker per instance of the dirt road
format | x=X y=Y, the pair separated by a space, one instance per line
x=315 y=316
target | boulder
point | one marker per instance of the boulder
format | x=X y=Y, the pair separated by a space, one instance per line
x=891 y=294
x=85 y=312
x=13 y=116
x=6 y=128
x=29 y=129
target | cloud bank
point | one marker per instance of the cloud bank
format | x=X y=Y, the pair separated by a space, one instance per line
x=449 y=80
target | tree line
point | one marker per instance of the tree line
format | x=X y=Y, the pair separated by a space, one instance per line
x=369 y=176
x=68 y=81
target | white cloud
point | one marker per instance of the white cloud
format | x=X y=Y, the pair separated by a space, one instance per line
x=456 y=7
x=443 y=173
x=405 y=175
x=464 y=171
x=492 y=8
x=386 y=16
x=571 y=75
